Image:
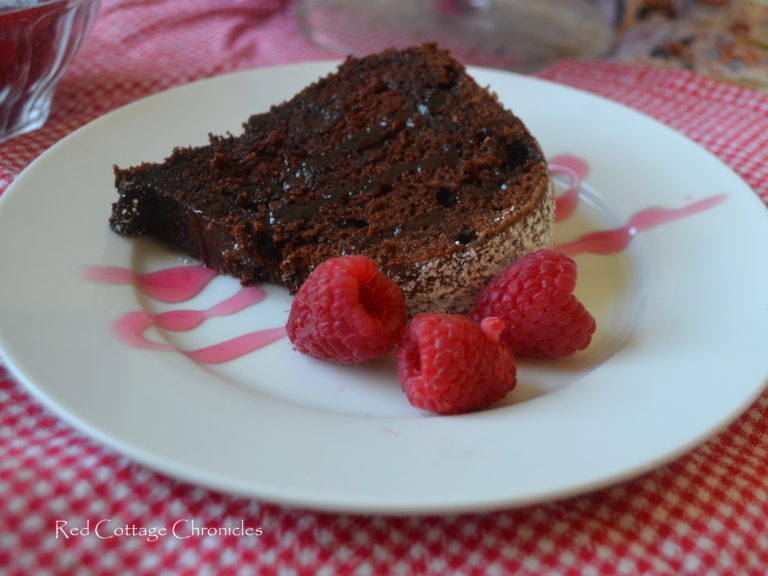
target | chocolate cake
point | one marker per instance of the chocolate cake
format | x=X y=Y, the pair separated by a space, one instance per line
x=399 y=156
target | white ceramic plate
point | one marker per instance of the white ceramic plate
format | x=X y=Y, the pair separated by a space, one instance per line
x=679 y=353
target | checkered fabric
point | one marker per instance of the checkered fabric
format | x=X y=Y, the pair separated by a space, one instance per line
x=704 y=514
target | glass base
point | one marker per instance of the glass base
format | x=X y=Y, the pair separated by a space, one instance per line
x=26 y=118
x=522 y=35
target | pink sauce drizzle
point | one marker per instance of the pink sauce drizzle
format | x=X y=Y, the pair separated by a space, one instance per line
x=236 y=347
x=616 y=240
x=176 y=285
x=182 y=320
x=172 y=285
x=576 y=169
x=130 y=328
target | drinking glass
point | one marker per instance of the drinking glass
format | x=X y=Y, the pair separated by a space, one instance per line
x=38 y=39
x=522 y=35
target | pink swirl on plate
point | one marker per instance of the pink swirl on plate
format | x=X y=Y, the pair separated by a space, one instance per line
x=177 y=285
x=172 y=285
x=614 y=240
x=576 y=169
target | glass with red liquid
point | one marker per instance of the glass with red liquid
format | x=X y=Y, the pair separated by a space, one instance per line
x=38 y=39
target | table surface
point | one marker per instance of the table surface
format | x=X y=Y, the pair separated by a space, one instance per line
x=705 y=513
x=722 y=39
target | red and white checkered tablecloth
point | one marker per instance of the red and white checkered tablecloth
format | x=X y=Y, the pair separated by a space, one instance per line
x=706 y=513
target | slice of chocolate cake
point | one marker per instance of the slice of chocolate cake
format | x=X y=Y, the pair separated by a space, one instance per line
x=399 y=156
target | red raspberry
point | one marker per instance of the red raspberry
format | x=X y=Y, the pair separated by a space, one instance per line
x=450 y=365
x=347 y=311
x=535 y=298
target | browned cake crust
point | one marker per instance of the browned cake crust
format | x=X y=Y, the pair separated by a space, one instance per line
x=399 y=156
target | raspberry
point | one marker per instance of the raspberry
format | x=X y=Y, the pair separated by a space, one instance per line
x=448 y=364
x=347 y=311
x=535 y=298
